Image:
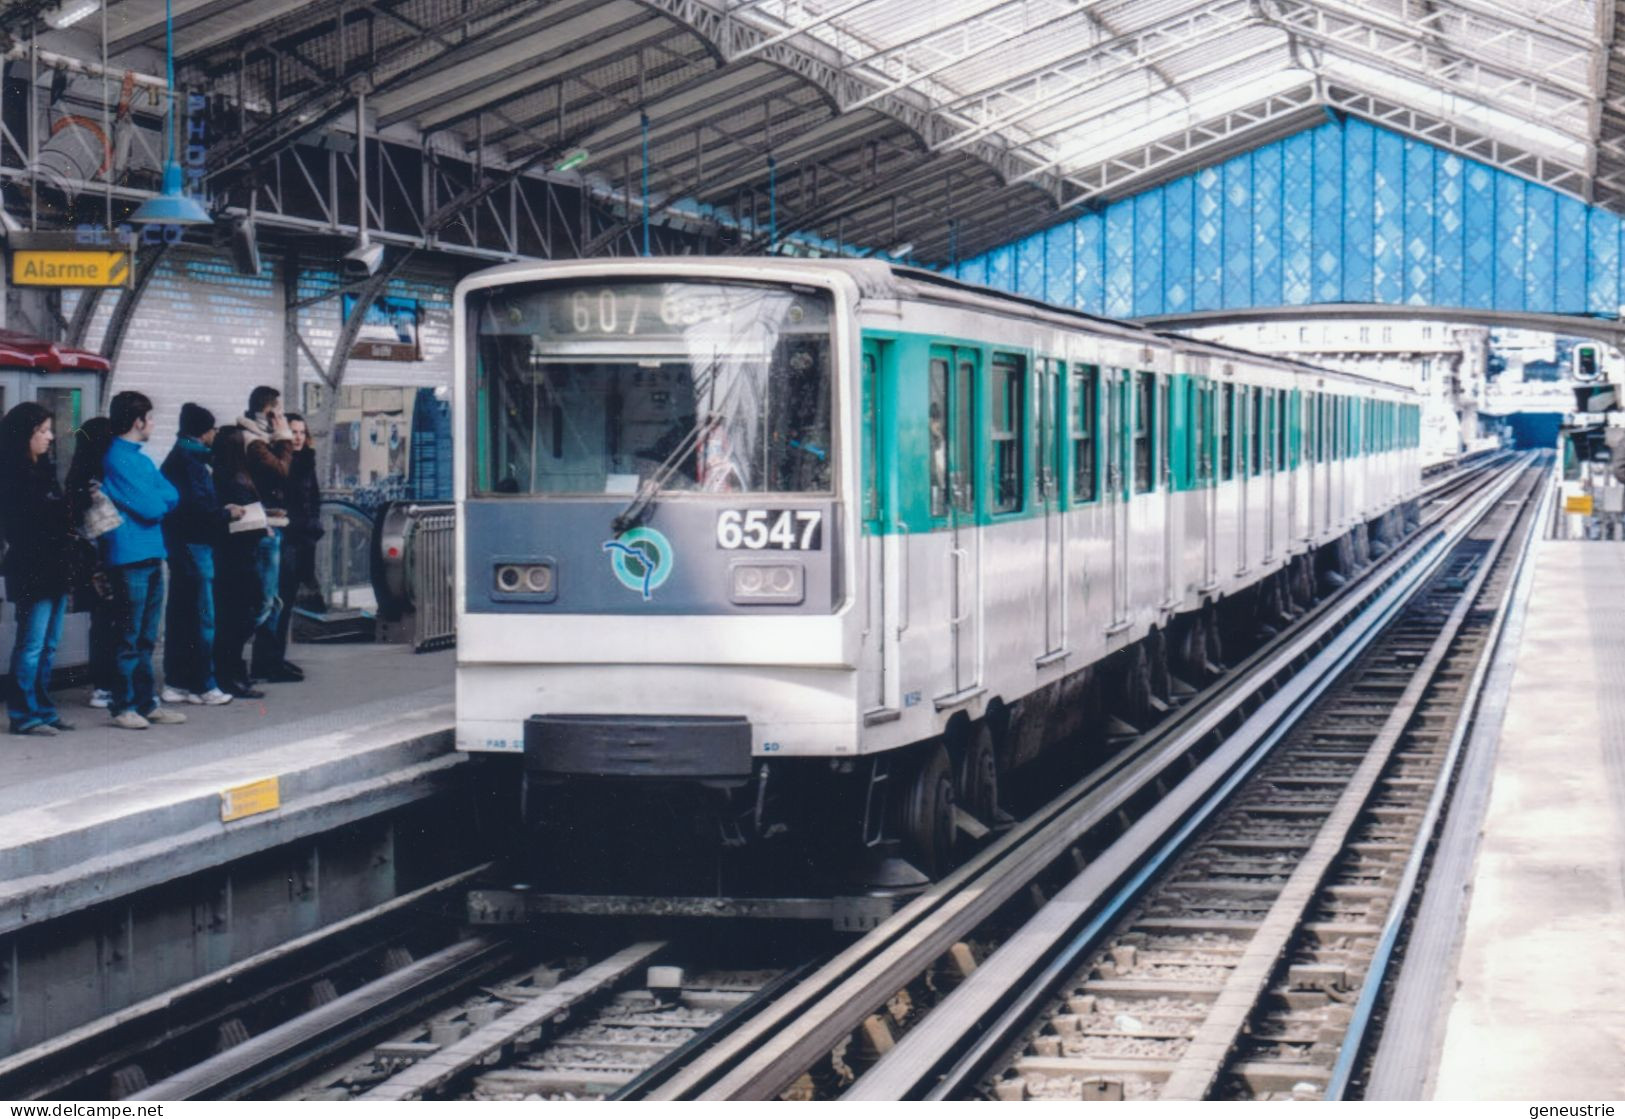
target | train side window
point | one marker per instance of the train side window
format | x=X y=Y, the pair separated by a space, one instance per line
x=962 y=480
x=1145 y=426
x=1084 y=411
x=1255 y=442
x=1280 y=429
x=939 y=437
x=1165 y=433
x=1227 y=426
x=871 y=441
x=1009 y=431
x=1192 y=447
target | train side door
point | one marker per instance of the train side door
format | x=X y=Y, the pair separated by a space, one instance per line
x=1266 y=432
x=1207 y=481
x=1049 y=497
x=954 y=380
x=878 y=622
x=1119 y=473
x=1244 y=437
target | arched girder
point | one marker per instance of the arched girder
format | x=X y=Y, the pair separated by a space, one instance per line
x=1610 y=331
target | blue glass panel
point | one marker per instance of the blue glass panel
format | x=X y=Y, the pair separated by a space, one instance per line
x=1388 y=218
x=1238 y=232
x=1208 y=266
x=1030 y=266
x=1297 y=210
x=1148 y=253
x=1327 y=236
x=1001 y=268
x=1418 y=246
x=1120 y=259
x=1571 y=255
x=1178 y=245
x=1540 y=249
x=1602 y=285
x=1509 y=242
x=1089 y=260
x=1060 y=282
x=1359 y=143
x=1266 y=283
x=1448 y=227
x=1478 y=244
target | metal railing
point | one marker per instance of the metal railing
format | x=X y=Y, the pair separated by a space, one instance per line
x=431 y=559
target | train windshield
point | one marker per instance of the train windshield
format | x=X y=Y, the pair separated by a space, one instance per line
x=600 y=388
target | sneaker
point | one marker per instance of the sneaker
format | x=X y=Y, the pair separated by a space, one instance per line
x=214 y=697
x=172 y=695
x=102 y=698
x=160 y=715
x=245 y=691
x=130 y=720
x=39 y=730
x=62 y=724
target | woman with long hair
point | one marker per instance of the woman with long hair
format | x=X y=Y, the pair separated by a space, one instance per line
x=37 y=565
x=91 y=586
x=237 y=589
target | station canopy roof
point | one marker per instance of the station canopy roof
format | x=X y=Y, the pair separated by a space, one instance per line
x=932 y=128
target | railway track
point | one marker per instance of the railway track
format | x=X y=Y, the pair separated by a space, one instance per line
x=1243 y=956
x=491 y=1018
x=923 y=961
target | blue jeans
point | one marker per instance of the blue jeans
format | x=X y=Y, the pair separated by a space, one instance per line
x=268 y=565
x=189 y=619
x=139 y=590
x=39 y=628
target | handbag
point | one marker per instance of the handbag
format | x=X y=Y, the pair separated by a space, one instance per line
x=101 y=517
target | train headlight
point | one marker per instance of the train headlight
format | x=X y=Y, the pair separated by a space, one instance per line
x=523 y=579
x=767 y=584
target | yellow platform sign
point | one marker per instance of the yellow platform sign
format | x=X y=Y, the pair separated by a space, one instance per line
x=77 y=268
x=250 y=799
x=1578 y=503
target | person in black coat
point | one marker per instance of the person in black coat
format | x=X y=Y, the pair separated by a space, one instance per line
x=237 y=589
x=303 y=496
x=190 y=531
x=38 y=563
x=92 y=590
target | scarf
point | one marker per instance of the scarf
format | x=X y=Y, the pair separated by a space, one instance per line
x=254 y=429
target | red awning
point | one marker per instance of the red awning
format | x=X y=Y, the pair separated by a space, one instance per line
x=24 y=351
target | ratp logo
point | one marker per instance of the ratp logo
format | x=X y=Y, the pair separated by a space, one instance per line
x=641 y=559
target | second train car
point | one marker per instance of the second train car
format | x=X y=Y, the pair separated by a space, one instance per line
x=816 y=554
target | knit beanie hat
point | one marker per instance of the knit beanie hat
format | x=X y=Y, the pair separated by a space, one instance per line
x=195 y=419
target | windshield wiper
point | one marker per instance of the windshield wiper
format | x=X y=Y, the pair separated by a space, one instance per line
x=651 y=487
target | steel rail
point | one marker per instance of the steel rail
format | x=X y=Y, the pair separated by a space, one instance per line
x=95 y=1048
x=1377 y=972
x=1028 y=962
x=760 y=1060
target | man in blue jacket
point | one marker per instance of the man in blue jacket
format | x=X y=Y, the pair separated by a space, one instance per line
x=134 y=556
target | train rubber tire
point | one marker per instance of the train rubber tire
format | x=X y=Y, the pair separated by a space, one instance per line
x=928 y=814
x=978 y=790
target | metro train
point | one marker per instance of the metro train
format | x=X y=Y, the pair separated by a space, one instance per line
x=816 y=554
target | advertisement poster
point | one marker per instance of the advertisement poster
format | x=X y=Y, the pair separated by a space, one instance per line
x=389 y=332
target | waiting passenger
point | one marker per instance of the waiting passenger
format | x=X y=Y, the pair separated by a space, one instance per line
x=134 y=554
x=37 y=569
x=304 y=500
x=92 y=587
x=238 y=593
x=189 y=535
x=269 y=445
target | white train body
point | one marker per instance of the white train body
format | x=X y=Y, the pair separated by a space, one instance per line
x=997 y=507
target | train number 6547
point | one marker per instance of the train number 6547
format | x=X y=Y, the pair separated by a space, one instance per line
x=787 y=530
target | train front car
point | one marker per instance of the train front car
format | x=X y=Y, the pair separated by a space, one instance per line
x=654 y=568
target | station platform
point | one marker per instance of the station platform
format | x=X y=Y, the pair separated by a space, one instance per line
x=1538 y=1009
x=101 y=812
